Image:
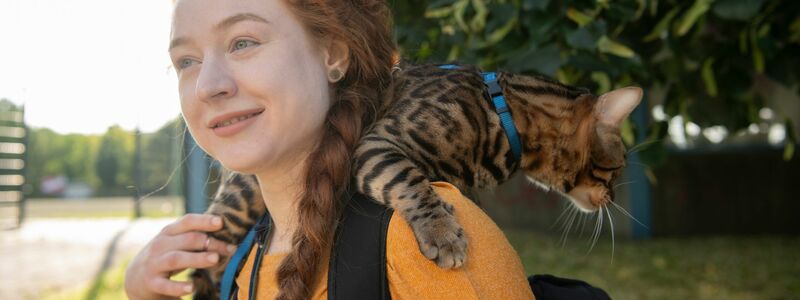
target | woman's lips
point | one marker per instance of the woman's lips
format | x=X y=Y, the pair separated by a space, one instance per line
x=235 y=125
x=226 y=118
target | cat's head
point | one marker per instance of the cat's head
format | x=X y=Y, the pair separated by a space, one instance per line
x=598 y=156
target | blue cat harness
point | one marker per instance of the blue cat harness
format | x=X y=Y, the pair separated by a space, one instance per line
x=495 y=94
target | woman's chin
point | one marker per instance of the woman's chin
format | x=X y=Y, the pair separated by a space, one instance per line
x=238 y=163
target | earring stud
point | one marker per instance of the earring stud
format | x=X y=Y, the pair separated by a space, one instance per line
x=335 y=75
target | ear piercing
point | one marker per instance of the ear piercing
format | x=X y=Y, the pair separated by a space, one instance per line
x=335 y=75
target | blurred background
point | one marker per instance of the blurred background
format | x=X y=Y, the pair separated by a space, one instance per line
x=94 y=158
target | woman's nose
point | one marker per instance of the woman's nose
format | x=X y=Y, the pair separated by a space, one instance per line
x=214 y=81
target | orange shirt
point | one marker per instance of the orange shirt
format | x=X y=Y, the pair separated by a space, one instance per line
x=492 y=270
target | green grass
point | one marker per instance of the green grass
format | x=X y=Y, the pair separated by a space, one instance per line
x=670 y=268
x=663 y=268
x=109 y=286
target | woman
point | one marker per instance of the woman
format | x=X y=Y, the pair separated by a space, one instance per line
x=283 y=89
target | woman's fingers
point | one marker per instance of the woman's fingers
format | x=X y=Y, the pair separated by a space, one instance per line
x=195 y=241
x=194 y=222
x=182 y=244
x=168 y=287
x=180 y=260
x=218 y=246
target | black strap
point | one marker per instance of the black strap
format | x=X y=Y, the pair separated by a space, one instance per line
x=549 y=287
x=358 y=259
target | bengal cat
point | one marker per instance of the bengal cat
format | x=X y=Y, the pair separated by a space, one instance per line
x=438 y=124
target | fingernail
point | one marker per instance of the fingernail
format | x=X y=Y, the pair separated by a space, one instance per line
x=187 y=288
x=213 y=257
x=216 y=221
x=231 y=248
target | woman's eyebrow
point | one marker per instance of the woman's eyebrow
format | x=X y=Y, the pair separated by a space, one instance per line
x=224 y=24
x=229 y=21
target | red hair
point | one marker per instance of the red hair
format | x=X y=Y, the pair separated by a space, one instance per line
x=365 y=27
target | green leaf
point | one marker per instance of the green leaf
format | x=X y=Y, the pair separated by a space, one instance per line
x=788 y=151
x=501 y=32
x=459 y=9
x=603 y=82
x=578 y=17
x=606 y=45
x=791 y=140
x=698 y=9
x=545 y=60
x=535 y=4
x=758 y=56
x=741 y=10
x=794 y=28
x=581 y=38
x=708 y=77
x=479 y=21
x=640 y=6
x=662 y=25
x=439 y=9
x=626 y=131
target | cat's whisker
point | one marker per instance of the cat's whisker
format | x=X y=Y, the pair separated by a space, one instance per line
x=597 y=229
x=638 y=164
x=582 y=225
x=568 y=225
x=621 y=184
x=594 y=231
x=577 y=222
x=628 y=214
x=641 y=145
x=566 y=209
x=611 y=224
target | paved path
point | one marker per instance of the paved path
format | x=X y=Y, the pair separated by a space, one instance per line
x=56 y=254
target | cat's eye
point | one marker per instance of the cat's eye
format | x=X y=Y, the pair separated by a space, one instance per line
x=241 y=44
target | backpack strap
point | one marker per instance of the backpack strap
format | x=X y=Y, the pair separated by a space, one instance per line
x=549 y=287
x=228 y=284
x=358 y=259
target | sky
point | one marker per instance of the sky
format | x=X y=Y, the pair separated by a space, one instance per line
x=81 y=66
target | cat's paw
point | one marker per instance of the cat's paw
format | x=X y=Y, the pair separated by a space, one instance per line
x=442 y=239
x=204 y=287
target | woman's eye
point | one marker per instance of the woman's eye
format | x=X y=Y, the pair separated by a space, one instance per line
x=241 y=44
x=185 y=63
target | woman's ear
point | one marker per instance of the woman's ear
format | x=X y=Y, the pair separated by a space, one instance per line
x=337 y=58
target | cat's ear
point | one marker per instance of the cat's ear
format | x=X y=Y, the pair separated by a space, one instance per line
x=613 y=107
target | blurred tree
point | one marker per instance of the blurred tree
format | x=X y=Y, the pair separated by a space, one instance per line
x=52 y=154
x=703 y=60
x=158 y=163
x=114 y=158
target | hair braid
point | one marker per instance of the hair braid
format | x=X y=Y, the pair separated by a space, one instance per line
x=365 y=26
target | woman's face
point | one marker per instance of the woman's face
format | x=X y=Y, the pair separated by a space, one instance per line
x=253 y=85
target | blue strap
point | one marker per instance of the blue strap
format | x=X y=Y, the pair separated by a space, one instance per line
x=233 y=264
x=502 y=110
x=500 y=107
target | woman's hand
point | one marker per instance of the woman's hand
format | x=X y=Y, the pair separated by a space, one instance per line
x=180 y=245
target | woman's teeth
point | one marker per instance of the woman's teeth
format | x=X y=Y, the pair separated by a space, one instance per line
x=235 y=120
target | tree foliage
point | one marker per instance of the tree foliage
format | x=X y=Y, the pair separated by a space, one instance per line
x=114 y=159
x=104 y=162
x=701 y=59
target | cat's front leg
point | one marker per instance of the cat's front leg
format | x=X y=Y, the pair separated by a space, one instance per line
x=238 y=201
x=398 y=183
